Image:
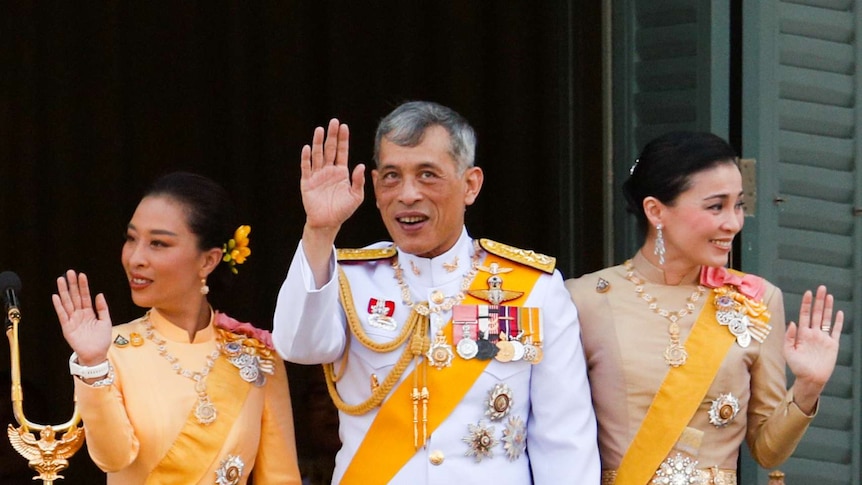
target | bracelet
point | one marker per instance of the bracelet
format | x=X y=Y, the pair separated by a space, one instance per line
x=107 y=381
x=86 y=372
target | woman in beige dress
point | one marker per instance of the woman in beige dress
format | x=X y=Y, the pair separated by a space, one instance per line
x=686 y=359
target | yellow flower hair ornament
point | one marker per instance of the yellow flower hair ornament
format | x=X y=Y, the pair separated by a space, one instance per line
x=236 y=249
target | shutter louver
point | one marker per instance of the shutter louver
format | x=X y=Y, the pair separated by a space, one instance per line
x=807 y=143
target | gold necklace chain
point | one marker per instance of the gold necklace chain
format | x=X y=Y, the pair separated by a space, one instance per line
x=205 y=411
x=424 y=308
x=675 y=354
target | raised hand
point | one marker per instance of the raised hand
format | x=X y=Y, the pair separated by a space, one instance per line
x=329 y=194
x=811 y=347
x=87 y=331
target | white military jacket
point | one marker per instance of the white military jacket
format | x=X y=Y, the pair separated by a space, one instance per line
x=552 y=398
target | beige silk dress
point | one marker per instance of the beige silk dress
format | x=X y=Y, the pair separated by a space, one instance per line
x=624 y=342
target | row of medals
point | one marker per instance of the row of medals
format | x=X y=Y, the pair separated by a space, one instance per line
x=505 y=349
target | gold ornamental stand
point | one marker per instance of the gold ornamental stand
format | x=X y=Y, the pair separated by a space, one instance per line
x=46 y=454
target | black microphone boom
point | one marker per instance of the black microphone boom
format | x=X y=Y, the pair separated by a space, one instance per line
x=10 y=286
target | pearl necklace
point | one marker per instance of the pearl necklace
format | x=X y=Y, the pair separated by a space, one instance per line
x=675 y=354
x=205 y=411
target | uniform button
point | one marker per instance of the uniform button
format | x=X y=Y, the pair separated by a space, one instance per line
x=436 y=457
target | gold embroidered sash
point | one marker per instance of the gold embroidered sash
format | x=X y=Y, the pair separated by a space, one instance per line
x=197 y=446
x=386 y=448
x=677 y=399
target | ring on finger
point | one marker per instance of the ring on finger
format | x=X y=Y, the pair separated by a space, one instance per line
x=826 y=327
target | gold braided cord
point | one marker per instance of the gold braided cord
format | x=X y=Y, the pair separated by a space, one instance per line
x=343 y=366
x=356 y=327
x=418 y=346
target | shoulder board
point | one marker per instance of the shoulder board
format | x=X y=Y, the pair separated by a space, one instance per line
x=523 y=256
x=368 y=254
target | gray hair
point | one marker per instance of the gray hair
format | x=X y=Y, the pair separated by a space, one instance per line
x=406 y=125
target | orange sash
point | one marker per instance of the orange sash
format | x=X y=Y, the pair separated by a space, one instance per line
x=197 y=446
x=386 y=448
x=677 y=399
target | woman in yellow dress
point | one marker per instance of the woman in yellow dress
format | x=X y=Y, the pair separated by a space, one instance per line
x=183 y=394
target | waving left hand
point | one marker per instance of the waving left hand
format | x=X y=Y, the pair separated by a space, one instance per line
x=811 y=347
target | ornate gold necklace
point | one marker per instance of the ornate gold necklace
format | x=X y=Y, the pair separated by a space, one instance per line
x=205 y=411
x=440 y=353
x=440 y=304
x=675 y=354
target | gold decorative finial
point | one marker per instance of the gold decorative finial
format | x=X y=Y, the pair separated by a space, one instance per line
x=46 y=454
x=776 y=477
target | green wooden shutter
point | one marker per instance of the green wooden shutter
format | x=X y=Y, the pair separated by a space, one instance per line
x=801 y=122
x=670 y=72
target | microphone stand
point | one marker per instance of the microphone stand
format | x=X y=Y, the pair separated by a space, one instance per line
x=46 y=454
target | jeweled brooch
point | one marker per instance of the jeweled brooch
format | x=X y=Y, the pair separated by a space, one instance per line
x=480 y=441
x=514 y=438
x=253 y=360
x=746 y=319
x=677 y=470
x=499 y=402
x=723 y=410
x=229 y=471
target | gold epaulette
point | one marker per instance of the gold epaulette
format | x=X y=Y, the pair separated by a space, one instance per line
x=365 y=254
x=523 y=256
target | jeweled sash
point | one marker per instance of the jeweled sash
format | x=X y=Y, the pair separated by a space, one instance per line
x=384 y=450
x=677 y=399
x=197 y=446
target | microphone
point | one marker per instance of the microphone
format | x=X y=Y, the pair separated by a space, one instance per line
x=10 y=285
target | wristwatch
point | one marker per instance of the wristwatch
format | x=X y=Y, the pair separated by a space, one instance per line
x=86 y=372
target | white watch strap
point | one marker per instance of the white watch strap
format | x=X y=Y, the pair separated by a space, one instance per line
x=86 y=372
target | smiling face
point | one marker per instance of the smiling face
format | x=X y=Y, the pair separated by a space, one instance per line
x=421 y=194
x=161 y=257
x=700 y=224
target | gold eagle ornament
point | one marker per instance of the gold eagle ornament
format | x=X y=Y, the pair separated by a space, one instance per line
x=495 y=294
x=46 y=455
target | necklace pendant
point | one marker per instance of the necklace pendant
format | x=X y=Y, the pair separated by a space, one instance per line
x=675 y=354
x=205 y=412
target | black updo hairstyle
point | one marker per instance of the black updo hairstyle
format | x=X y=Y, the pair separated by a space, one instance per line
x=209 y=213
x=665 y=167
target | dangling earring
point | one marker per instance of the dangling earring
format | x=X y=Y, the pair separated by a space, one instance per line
x=659 y=244
x=204 y=288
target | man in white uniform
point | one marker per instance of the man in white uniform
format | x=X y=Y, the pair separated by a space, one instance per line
x=451 y=360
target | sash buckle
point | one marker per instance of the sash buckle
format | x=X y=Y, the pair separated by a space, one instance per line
x=678 y=469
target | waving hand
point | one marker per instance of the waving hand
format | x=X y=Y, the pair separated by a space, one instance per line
x=87 y=330
x=329 y=194
x=811 y=347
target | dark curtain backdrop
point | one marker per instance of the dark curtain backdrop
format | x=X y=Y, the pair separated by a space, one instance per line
x=99 y=98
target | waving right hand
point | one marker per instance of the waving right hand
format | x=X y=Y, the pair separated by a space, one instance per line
x=87 y=331
x=328 y=195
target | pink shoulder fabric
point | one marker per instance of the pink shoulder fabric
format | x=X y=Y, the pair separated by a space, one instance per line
x=243 y=328
x=749 y=285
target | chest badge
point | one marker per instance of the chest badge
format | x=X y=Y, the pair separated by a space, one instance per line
x=723 y=410
x=380 y=314
x=495 y=294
